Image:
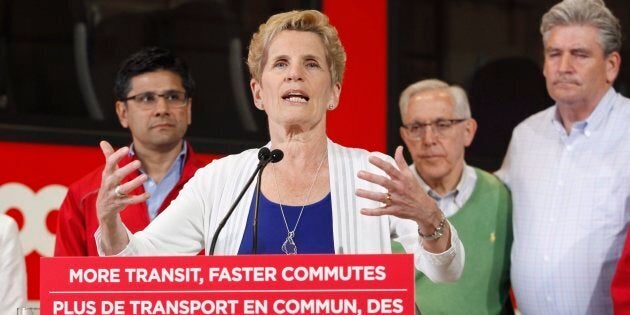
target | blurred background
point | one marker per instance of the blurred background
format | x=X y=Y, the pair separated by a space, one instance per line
x=58 y=60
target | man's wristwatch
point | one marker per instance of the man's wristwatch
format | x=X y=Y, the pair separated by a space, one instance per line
x=439 y=231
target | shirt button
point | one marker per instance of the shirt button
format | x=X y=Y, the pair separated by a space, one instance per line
x=552 y=219
x=546 y=258
x=560 y=183
x=151 y=184
x=548 y=298
x=569 y=147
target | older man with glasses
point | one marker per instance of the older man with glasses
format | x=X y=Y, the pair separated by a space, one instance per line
x=154 y=92
x=437 y=127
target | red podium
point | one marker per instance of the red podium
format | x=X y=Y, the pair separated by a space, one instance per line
x=259 y=284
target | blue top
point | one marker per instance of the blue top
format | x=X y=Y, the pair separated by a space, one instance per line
x=314 y=234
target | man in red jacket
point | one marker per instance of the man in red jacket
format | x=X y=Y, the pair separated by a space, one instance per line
x=154 y=92
x=620 y=289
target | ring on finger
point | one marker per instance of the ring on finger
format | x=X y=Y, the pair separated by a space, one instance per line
x=388 y=200
x=118 y=193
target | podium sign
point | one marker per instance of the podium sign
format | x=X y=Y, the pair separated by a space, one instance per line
x=257 y=284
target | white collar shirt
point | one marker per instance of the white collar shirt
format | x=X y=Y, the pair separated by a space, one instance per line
x=453 y=200
x=571 y=208
x=158 y=191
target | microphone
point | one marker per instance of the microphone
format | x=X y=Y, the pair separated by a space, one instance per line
x=274 y=156
x=264 y=154
x=264 y=157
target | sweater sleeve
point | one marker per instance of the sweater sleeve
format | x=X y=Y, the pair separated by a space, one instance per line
x=70 y=239
x=439 y=267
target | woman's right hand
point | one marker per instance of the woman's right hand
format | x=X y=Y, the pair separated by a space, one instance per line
x=112 y=195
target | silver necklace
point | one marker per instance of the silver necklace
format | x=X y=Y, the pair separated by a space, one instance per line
x=289 y=247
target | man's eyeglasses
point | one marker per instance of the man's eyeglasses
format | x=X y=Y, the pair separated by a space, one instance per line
x=150 y=99
x=440 y=127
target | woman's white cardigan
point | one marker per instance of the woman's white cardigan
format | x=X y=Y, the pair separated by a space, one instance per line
x=189 y=222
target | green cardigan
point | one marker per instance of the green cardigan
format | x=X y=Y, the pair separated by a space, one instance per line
x=484 y=224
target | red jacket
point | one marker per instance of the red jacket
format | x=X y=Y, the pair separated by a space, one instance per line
x=620 y=289
x=77 y=220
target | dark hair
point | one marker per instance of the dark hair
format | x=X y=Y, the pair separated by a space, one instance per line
x=151 y=59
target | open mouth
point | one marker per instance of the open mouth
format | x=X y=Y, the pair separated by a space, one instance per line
x=295 y=97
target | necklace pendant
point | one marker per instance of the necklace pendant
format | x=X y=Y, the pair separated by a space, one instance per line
x=289 y=247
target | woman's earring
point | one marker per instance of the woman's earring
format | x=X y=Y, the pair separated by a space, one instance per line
x=331 y=107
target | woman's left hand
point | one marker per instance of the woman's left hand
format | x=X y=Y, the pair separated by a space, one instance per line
x=404 y=198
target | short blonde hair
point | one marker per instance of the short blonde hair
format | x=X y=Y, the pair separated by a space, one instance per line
x=305 y=21
x=461 y=107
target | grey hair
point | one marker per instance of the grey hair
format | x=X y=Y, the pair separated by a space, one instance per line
x=585 y=12
x=461 y=107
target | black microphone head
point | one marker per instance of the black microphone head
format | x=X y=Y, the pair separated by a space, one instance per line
x=264 y=154
x=276 y=155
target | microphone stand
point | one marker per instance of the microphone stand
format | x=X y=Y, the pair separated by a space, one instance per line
x=255 y=223
x=276 y=156
x=264 y=157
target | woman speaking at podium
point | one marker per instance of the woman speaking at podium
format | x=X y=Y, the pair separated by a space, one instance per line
x=320 y=198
